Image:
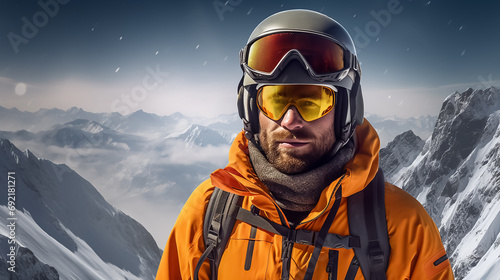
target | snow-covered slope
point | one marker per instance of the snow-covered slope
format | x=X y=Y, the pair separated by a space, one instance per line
x=228 y=126
x=457 y=179
x=67 y=224
x=27 y=265
x=400 y=153
x=197 y=135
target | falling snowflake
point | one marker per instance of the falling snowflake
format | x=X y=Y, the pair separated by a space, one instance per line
x=117 y=69
x=92 y=29
x=204 y=63
x=461 y=27
x=407 y=49
x=463 y=52
x=121 y=37
x=354 y=16
x=156 y=53
x=225 y=58
x=197 y=46
x=249 y=11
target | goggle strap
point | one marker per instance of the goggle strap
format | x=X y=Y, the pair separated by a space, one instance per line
x=243 y=54
x=355 y=63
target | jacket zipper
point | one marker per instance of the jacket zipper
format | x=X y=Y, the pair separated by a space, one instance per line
x=329 y=201
x=286 y=257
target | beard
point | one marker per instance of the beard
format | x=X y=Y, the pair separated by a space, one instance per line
x=288 y=160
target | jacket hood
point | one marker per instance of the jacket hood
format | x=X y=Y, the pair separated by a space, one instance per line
x=239 y=177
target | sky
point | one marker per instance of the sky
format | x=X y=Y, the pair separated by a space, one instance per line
x=165 y=57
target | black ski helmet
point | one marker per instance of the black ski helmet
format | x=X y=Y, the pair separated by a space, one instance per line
x=349 y=110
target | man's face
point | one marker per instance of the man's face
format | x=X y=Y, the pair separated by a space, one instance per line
x=293 y=145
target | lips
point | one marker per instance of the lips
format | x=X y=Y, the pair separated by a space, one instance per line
x=292 y=143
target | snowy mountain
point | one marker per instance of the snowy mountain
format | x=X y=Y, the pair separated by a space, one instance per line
x=457 y=178
x=66 y=228
x=141 y=121
x=400 y=153
x=228 y=126
x=83 y=133
x=197 y=135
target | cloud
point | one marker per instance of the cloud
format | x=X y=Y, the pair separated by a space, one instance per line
x=178 y=153
x=188 y=96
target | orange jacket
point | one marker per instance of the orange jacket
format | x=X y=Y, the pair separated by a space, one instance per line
x=415 y=241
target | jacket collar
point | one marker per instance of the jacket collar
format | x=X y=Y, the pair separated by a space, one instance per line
x=239 y=177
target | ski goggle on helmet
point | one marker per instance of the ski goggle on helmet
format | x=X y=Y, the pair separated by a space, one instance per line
x=322 y=57
x=311 y=101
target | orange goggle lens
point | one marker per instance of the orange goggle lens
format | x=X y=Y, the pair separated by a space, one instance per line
x=322 y=54
x=312 y=101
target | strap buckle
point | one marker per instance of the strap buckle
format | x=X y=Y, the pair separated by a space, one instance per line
x=305 y=237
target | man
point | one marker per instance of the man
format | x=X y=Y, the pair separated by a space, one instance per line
x=305 y=150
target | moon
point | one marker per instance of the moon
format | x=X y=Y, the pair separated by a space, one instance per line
x=20 y=89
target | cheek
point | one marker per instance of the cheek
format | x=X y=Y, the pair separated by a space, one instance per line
x=263 y=130
x=323 y=127
x=265 y=123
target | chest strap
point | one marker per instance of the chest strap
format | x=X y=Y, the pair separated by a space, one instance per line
x=300 y=236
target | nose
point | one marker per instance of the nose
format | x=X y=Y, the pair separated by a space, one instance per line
x=292 y=119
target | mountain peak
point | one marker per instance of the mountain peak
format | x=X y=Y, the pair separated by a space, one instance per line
x=86 y=125
x=400 y=153
x=5 y=143
x=141 y=112
x=74 y=110
x=200 y=135
x=478 y=103
x=463 y=116
x=12 y=153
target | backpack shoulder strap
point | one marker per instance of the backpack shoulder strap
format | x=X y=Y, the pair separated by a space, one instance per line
x=218 y=224
x=367 y=219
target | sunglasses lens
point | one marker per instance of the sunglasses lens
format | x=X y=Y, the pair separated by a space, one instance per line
x=312 y=101
x=324 y=55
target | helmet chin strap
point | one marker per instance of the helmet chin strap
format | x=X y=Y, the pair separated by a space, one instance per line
x=346 y=135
